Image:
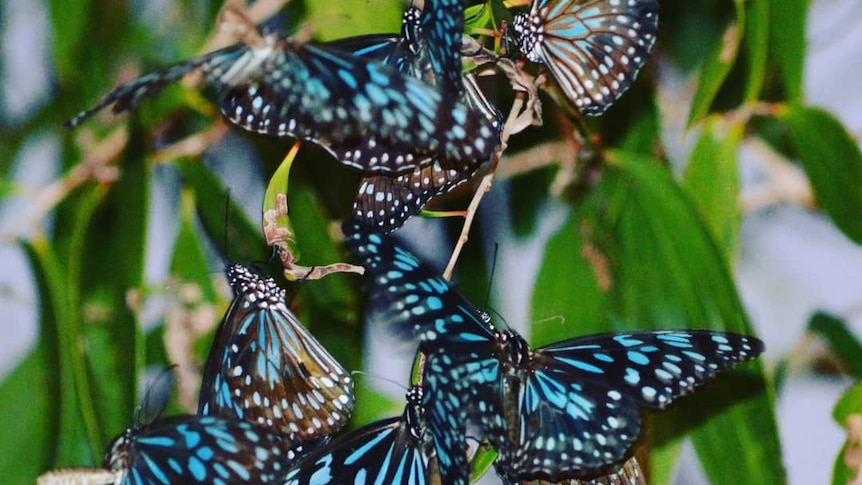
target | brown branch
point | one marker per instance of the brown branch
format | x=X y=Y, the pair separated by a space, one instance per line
x=93 y=167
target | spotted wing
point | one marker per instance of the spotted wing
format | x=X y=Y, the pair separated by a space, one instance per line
x=392 y=451
x=442 y=25
x=368 y=115
x=126 y=97
x=593 y=48
x=628 y=474
x=199 y=450
x=266 y=368
x=408 y=295
x=578 y=401
x=386 y=202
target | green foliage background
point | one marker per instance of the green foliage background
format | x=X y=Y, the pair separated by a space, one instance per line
x=640 y=247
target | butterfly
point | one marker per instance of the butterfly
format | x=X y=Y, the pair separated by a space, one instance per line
x=628 y=474
x=566 y=410
x=198 y=449
x=391 y=451
x=429 y=49
x=366 y=114
x=264 y=367
x=593 y=48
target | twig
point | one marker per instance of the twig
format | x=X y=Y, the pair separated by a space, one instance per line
x=192 y=145
x=94 y=166
x=514 y=119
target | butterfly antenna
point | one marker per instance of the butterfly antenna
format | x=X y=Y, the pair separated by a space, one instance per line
x=224 y=249
x=380 y=378
x=157 y=396
x=493 y=273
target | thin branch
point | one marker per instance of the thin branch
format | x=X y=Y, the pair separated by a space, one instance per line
x=93 y=167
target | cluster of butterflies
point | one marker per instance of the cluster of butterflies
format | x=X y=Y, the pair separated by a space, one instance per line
x=399 y=109
x=273 y=399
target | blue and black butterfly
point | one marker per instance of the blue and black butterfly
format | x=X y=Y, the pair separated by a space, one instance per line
x=567 y=410
x=428 y=49
x=366 y=114
x=593 y=48
x=628 y=474
x=199 y=450
x=395 y=451
x=264 y=367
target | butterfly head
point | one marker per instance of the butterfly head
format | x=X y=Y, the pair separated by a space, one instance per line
x=512 y=348
x=414 y=413
x=411 y=29
x=253 y=287
x=119 y=455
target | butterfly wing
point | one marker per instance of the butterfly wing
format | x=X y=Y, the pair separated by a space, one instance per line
x=442 y=25
x=266 y=368
x=464 y=385
x=653 y=368
x=628 y=474
x=567 y=428
x=367 y=115
x=578 y=402
x=594 y=48
x=199 y=450
x=407 y=294
x=392 y=451
x=386 y=202
x=127 y=96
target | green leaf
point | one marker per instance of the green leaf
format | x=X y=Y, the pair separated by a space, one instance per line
x=481 y=462
x=712 y=179
x=663 y=456
x=841 y=474
x=717 y=66
x=832 y=160
x=842 y=342
x=277 y=228
x=756 y=43
x=69 y=33
x=189 y=256
x=243 y=240
x=648 y=262
x=849 y=404
x=112 y=236
x=787 y=20
x=28 y=423
x=74 y=431
x=353 y=17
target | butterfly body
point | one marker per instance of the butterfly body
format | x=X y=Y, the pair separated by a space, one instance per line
x=198 y=450
x=593 y=48
x=563 y=411
x=266 y=368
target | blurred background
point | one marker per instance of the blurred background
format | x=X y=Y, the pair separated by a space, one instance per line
x=735 y=154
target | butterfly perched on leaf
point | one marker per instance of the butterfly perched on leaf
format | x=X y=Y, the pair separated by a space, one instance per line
x=567 y=410
x=366 y=114
x=199 y=450
x=264 y=367
x=391 y=451
x=593 y=48
x=428 y=48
